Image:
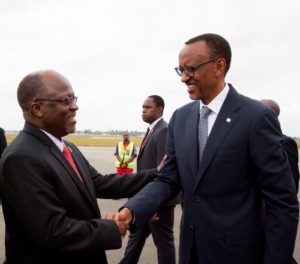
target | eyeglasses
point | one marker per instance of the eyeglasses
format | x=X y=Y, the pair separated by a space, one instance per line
x=67 y=101
x=189 y=71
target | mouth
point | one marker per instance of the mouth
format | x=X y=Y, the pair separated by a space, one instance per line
x=191 y=88
x=72 y=119
x=191 y=85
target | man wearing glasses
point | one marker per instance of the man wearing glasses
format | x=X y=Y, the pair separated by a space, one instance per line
x=224 y=152
x=49 y=189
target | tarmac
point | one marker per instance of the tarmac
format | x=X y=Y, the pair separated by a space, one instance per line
x=102 y=159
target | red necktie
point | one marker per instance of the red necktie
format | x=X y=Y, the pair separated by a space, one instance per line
x=69 y=158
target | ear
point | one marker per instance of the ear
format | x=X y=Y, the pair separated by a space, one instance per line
x=159 y=110
x=220 y=67
x=36 y=109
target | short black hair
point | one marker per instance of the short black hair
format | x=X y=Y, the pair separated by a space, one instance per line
x=218 y=45
x=158 y=101
x=28 y=88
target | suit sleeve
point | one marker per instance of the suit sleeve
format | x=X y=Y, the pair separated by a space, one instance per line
x=277 y=188
x=291 y=149
x=3 y=143
x=161 y=145
x=161 y=190
x=111 y=186
x=33 y=203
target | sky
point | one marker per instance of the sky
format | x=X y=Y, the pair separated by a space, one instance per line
x=116 y=53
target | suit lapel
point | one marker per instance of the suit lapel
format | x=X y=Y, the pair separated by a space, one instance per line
x=150 y=136
x=191 y=134
x=226 y=119
x=53 y=150
x=86 y=187
x=60 y=157
x=143 y=146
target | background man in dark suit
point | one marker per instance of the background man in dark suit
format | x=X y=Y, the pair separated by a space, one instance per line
x=3 y=143
x=289 y=144
x=152 y=151
x=239 y=196
x=49 y=199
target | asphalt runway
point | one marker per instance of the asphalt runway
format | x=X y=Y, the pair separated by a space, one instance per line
x=103 y=160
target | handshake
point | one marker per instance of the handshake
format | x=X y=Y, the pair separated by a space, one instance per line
x=124 y=218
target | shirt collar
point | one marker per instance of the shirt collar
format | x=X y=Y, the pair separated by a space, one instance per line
x=151 y=126
x=216 y=104
x=56 y=141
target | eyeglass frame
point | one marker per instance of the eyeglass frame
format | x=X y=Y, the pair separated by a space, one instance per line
x=191 y=70
x=69 y=100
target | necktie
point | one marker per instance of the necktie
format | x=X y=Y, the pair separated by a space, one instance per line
x=203 y=129
x=69 y=158
x=145 y=137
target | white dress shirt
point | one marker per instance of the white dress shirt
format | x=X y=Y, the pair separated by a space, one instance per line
x=215 y=106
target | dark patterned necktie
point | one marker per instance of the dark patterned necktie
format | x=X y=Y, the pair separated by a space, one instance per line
x=145 y=138
x=203 y=130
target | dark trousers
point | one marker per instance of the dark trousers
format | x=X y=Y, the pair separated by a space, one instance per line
x=163 y=237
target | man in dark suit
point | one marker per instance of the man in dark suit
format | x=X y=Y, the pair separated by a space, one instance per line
x=152 y=151
x=289 y=144
x=49 y=189
x=240 y=202
x=3 y=143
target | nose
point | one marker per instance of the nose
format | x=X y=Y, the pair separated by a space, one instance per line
x=184 y=77
x=74 y=106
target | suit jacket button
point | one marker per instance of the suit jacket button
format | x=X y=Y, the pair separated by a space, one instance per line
x=197 y=199
x=192 y=227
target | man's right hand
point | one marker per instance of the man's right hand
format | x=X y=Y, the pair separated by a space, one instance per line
x=123 y=227
x=125 y=215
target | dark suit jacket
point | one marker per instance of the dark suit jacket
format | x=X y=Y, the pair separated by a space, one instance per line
x=3 y=143
x=291 y=149
x=243 y=165
x=50 y=216
x=152 y=153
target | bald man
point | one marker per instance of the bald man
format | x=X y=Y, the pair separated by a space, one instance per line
x=49 y=189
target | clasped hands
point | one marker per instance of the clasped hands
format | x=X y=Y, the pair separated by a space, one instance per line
x=124 y=218
x=123 y=165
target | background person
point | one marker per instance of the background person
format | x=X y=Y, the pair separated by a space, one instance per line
x=289 y=144
x=3 y=143
x=240 y=201
x=125 y=155
x=49 y=189
x=152 y=151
